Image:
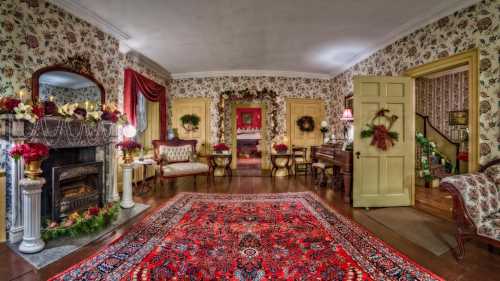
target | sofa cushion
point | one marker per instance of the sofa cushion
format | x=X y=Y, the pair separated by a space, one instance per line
x=479 y=193
x=176 y=153
x=494 y=173
x=490 y=227
x=184 y=168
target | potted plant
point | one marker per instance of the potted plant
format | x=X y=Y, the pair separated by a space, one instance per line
x=221 y=148
x=33 y=154
x=190 y=122
x=280 y=148
x=128 y=147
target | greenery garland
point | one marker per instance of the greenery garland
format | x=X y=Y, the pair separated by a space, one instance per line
x=429 y=148
x=306 y=123
x=83 y=223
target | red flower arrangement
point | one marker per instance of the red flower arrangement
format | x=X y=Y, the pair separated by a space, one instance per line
x=220 y=147
x=111 y=116
x=8 y=104
x=128 y=145
x=280 y=147
x=80 y=113
x=29 y=151
x=50 y=107
x=38 y=110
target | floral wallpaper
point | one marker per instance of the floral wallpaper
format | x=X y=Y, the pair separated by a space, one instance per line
x=63 y=95
x=285 y=87
x=436 y=97
x=473 y=27
x=36 y=34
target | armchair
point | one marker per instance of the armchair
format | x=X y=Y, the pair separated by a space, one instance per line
x=175 y=158
x=476 y=205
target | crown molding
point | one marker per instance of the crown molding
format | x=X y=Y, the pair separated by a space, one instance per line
x=152 y=65
x=445 y=9
x=252 y=73
x=77 y=9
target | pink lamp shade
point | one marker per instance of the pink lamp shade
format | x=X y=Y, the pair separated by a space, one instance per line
x=347 y=115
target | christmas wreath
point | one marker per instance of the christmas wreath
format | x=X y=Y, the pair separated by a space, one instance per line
x=382 y=136
x=306 y=123
x=190 y=122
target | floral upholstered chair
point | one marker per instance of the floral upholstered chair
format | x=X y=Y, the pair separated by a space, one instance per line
x=476 y=205
x=175 y=158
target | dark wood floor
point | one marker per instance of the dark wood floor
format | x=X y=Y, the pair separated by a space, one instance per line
x=479 y=264
x=434 y=201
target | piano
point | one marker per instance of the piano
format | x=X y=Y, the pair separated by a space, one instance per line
x=342 y=166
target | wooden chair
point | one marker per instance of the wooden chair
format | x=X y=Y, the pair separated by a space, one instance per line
x=476 y=210
x=175 y=158
x=299 y=160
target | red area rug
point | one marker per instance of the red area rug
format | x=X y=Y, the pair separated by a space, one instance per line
x=287 y=236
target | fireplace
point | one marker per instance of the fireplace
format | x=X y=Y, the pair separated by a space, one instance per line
x=74 y=181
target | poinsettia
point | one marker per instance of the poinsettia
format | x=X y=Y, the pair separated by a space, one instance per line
x=29 y=151
x=221 y=147
x=7 y=104
x=38 y=111
x=128 y=145
x=280 y=147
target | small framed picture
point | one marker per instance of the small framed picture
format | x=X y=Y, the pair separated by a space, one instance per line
x=458 y=118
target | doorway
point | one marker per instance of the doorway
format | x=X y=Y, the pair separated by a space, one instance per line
x=249 y=138
x=446 y=127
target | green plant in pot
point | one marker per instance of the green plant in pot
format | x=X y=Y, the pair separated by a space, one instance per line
x=190 y=122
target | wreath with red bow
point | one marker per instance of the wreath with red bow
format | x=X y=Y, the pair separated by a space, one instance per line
x=382 y=136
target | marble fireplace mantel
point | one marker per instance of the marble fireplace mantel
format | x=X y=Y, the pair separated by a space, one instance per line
x=57 y=133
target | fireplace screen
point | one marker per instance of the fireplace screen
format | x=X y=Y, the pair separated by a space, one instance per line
x=76 y=187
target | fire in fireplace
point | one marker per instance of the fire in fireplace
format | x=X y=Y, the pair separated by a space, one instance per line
x=74 y=181
x=76 y=187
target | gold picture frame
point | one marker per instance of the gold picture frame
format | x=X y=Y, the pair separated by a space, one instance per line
x=458 y=118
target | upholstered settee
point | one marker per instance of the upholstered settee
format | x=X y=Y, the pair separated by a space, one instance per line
x=476 y=205
x=176 y=158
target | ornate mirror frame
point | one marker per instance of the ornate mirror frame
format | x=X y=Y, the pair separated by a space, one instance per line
x=77 y=65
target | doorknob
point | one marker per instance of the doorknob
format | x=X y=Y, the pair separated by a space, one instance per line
x=357 y=154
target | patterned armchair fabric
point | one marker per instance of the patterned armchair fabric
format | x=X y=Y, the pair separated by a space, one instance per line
x=481 y=196
x=182 y=153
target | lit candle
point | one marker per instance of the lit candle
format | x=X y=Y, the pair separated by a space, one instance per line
x=51 y=98
x=87 y=105
x=21 y=95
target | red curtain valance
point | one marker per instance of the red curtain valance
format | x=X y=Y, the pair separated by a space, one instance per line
x=135 y=83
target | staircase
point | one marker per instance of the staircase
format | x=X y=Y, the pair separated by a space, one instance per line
x=444 y=145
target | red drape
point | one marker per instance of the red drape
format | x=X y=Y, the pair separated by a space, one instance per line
x=135 y=83
x=255 y=117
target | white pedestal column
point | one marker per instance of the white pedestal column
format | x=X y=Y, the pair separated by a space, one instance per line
x=31 y=192
x=127 y=200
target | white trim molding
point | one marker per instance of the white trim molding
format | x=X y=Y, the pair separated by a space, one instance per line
x=252 y=73
x=76 y=8
x=438 y=12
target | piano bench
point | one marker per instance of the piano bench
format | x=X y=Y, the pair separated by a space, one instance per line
x=322 y=167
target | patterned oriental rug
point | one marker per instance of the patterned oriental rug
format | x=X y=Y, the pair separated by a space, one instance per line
x=287 y=236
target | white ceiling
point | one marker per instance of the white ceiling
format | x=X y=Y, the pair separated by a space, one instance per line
x=319 y=37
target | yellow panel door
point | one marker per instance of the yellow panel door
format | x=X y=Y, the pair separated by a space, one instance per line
x=384 y=178
x=296 y=108
x=199 y=107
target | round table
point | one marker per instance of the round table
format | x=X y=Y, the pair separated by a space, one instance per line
x=281 y=164
x=220 y=164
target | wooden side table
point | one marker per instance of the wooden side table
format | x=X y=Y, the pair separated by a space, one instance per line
x=220 y=164
x=281 y=164
x=144 y=186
